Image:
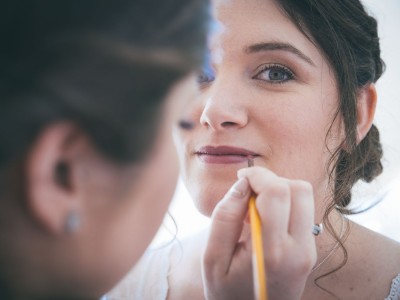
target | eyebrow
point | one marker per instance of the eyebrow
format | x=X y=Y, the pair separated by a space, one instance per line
x=278 y=46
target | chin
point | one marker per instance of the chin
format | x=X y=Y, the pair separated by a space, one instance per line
x=205 y=200
x=205 y=209
x=207 y=188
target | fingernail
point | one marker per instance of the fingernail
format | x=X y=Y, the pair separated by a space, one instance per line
x=240 y=188
x=240 y=174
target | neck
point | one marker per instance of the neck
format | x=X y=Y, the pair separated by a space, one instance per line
x=329 y=245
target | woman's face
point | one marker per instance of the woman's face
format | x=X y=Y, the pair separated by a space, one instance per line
x=271 y=94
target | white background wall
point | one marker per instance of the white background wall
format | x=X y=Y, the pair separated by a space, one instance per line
x=384 y=217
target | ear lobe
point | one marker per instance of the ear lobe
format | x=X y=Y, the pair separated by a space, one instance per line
x=50 y=195
x=366 y=105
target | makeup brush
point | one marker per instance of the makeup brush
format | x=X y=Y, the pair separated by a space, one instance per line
x=259 y=275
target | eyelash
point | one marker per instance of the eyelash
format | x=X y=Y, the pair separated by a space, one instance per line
x=289 y=74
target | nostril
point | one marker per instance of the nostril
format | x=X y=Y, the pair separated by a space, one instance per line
x=228 y=124
x=218 y=116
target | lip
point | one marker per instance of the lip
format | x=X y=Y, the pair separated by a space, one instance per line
x=224 y=154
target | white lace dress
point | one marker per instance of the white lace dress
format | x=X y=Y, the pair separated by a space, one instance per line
x=395 y=289
x=140 y=283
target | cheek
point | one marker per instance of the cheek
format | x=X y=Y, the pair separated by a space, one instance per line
x=294 y=140
x=179 y=143
x=185 y=139
x=208 y=189
x=206 y=186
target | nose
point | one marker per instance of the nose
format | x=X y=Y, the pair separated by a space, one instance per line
x=223 y=111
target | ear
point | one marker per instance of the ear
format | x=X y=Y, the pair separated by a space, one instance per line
x=366 y=104
x=50 y=190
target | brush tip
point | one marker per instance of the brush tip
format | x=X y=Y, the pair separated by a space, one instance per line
x=250 y=161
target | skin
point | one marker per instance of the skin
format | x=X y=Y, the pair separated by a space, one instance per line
x=234 y=107
x=273 y=94
x=120 y=208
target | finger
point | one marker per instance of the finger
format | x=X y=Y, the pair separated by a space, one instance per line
x=257 y=177
x=301 y=222
x=273 y=203
x=302 y=212
x=226 y=226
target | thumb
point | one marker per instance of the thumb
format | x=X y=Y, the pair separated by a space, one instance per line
x=226 y=227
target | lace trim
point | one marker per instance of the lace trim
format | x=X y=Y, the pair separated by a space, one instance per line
x=395 y=289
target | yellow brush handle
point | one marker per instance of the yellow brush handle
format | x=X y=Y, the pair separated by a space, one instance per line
x=259 y=276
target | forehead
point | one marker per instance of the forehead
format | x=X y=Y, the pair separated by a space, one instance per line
x=242 y=23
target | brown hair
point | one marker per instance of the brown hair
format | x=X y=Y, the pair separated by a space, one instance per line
x=105 y=65
x=348 y=37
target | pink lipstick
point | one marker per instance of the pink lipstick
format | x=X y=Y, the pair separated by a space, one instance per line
x=224 y=154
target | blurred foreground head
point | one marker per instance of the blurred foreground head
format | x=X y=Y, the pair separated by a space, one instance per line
x=88 y=92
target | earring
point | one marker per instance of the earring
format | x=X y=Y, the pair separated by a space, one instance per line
x=72 y=222
x=317 y=229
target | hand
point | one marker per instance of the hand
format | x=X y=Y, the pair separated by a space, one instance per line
x=286 y=208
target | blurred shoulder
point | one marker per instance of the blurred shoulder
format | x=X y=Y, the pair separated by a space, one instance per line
x=149 y=277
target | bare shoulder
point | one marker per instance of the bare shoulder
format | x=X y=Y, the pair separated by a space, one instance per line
x=184 y=279
x=377 y=248
x=373 y=262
